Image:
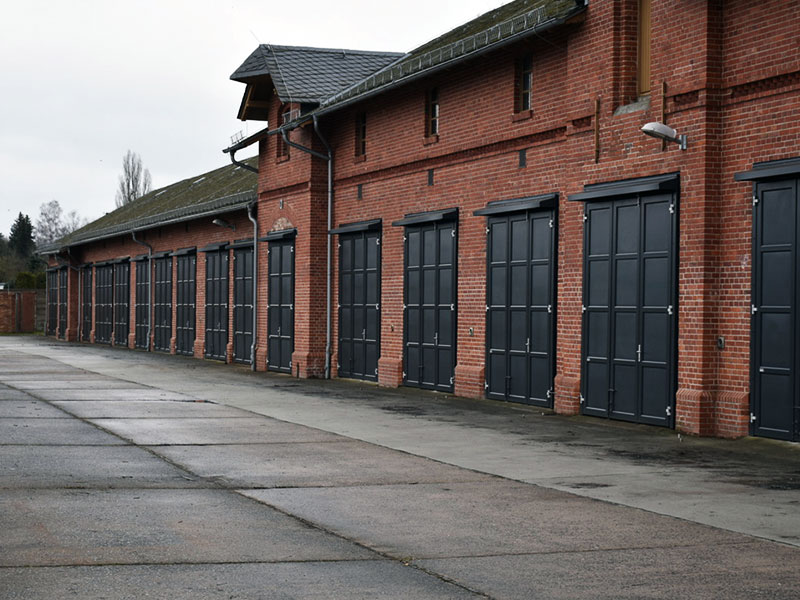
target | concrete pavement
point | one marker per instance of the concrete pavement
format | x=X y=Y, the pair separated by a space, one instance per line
x=129 y=475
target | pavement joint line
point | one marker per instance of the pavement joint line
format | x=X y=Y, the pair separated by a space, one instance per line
x=587 y=550
x=96 y=565
x=404 y=560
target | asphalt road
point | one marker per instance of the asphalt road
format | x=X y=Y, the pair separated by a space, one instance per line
x=132 y=475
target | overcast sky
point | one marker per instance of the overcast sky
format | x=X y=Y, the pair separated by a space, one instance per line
x=83 y=81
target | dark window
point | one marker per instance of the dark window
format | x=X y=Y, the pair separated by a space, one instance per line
x=432 y=112
x=284 y=115
x=524 y=84
x=361 y=134
x=643 y=49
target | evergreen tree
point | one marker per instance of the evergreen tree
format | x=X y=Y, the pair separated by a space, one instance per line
x=21 y=238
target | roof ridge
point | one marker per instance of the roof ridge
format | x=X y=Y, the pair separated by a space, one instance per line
x=332 y=50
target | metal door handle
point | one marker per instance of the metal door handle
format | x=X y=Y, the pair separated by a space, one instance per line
x=363 y=334
x=436 y=339
x=528 y=345
x=639 y=353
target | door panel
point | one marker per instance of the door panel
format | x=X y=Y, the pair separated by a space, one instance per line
x=217 y=305
x=242 y=304
x=359 y=300
x=142 y=310
x=162 y=306
x=122 y=298
x=186 y=265
x=775 y=339
x=280 y=316
x=520 y=302
x=430 y=297
x=62 y=303
x=52 y=302
x=629 y=327
x=104 y=304
x=86 y=299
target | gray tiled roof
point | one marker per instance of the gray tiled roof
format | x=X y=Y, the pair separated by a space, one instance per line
x=503 y=25
x=302 y=74
x=221 y=190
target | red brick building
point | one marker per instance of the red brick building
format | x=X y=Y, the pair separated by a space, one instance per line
x=499 y=225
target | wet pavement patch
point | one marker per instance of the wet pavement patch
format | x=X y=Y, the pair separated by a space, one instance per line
x=78 y=527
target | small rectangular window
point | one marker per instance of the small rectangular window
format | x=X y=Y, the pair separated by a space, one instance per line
x=524 y=84
x=361 y=134
x=432 y=112
x=283 y=147
x=643 y=49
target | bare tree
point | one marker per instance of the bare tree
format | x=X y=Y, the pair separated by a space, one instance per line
x=53 y=224
x=134 y=181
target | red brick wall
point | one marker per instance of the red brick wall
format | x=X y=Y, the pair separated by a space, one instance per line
x=726 y=74
x=17 y=311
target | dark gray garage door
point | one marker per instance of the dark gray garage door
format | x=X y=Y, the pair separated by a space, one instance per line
x=280 y=312
x=359 y=304
x=775 y=335
x=242 y=303
x=162 y=305
x=86 y=301
x=520 y=303
x=629 y=291
x=429 y=288
x=217 y=304
x=186 y=282
x=122 y=295
x=104 y=304
x=142 y=315
x=62 y=302
x=52 y=301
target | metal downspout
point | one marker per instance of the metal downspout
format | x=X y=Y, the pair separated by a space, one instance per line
x=255 y=284
x=241 y=165
x=329 y=158
x=149 y=287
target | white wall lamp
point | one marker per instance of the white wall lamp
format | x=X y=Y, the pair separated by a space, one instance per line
x=223 y=223
x=663 y=132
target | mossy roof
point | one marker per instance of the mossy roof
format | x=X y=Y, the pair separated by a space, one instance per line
x=221 y=190
x=495 y=28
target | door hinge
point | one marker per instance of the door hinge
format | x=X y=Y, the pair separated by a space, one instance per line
x=290 y=364
x=551 y=223
x=338 y=245
x=752 y=418
x=583 y=400
x=487 y=308
x=487 y=231
x=672 y=208
x=291 y=249
x=338 y=307
x=669 y=309
x=377 y=241
x=753 y=309
x=405 y=238
x=404 y=307
x=452 y=233
x=404 y=374
x=585 y=217
x=377 y=307
x=452 y=307
x=550 y=309
x=485 y=385
x=338 y=365
x=669 y=411
x=755 y=200
x=291 y=307
x=583 y=308
x=549 y=393
x=452 y=380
